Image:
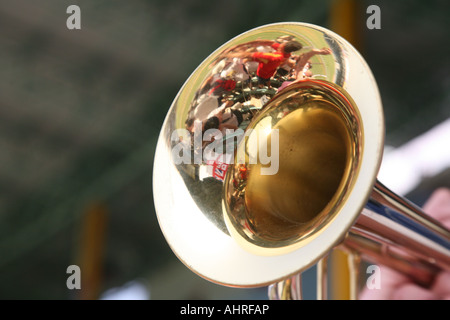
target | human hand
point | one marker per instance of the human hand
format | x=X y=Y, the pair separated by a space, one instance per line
x=396 y=286
x=324 y=51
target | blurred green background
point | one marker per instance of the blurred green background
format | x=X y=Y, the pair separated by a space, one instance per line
x=80 y=111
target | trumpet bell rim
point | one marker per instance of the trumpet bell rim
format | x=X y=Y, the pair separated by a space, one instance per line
x=215 y=255
x=250 y=227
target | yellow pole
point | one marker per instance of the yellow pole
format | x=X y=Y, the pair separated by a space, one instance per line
x=91 y=251
x=347 y=20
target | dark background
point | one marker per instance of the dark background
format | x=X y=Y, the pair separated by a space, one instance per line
x=80 y=111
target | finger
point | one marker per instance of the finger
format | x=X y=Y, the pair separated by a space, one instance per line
x=442 y=284
x=410 y=291
x=438 y=205
x=374 y=294
x=390 y=280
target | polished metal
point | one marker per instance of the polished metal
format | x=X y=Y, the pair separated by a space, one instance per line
x=289 y=289
x=395 y=232
x=322 y=279
x=353 y=266
x=268 y=158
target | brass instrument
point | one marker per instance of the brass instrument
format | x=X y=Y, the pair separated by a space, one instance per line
x=287 y=170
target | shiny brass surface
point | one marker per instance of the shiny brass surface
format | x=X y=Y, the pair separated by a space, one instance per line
x=256 y=179
x=319 y=145
x=322 y=279
x=290 y=289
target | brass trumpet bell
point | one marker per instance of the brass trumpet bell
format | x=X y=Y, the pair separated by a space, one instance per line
x=257 y=178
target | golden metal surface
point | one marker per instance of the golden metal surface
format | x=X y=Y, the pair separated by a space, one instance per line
x=226 y=222
x=319 y=143
x=322 y=279
x=290 y=289
x=258 y=178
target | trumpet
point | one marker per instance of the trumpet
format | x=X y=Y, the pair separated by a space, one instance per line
x=268 y=159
